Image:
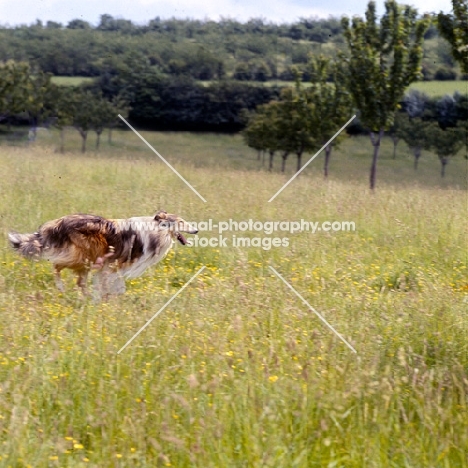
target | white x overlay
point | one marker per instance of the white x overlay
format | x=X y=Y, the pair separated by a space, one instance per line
x=271 y=268
x=162 y=159
x=161 y=309
x=312 y=158
x=312 y=309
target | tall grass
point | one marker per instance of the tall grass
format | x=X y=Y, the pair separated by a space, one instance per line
x=71 y=80
x=434 y=88
x=440 y=88
x=237 y=371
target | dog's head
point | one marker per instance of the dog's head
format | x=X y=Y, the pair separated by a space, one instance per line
x=175 y=224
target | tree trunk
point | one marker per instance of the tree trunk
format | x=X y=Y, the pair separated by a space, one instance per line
x=62 y=140
x=98 y=139
x=376 y=143
x=283 y=162
x=299 y=160
x=395 y=143
x=444 y=162
x=417 y=154
x=33 y=131
x=270 y=166
x=327 y=160
x=84 y=136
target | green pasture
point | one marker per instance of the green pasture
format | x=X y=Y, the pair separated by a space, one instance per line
x=237 y=371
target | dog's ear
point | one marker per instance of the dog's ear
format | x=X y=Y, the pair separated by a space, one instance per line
x=161 y=214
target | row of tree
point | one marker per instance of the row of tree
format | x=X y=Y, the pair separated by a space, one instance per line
x=154 y=100
x=413 y=126
x=314 y=29
x=302 y=119
x=203 y=50
x=383 y=59
x=25 y=94
x=159 y=102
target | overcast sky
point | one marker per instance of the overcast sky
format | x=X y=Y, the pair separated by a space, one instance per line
x=14 y=12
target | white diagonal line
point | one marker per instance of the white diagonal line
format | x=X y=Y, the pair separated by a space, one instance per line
x=312 y=158
x=161 y=309
x=167 y=163
x=312 y=309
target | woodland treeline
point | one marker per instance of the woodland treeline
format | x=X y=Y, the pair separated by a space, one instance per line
x=367 y=74
x=370 y=80
x=202 y=50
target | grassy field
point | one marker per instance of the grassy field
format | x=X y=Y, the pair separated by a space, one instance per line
x=432 y=88
x=237 y=372
x=440 y=88
x=71 y=80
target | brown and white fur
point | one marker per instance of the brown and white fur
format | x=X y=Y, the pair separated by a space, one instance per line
x=116 y=248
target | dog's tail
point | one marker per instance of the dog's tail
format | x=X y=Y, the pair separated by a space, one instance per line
x=27 y=245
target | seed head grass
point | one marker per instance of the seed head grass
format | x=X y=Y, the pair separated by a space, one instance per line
x=237 y=371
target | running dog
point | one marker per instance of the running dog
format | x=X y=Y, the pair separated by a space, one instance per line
x=117 y=248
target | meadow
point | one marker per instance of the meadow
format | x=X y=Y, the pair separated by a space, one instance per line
x=237 y=371
x=431 y=88
x=440 y=88
x=71 y=80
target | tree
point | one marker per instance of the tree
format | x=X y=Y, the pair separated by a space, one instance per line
x=40 y=96
x=118 y=105
x=416 y=103
x=446 y=143
x=260 y=71
x=254 y=132
x=262 y=131
x=454 y=28
x=394 y=131
x=78 y=24
x=461 y=109
x=94 y=112
x=102 y=116
x=384 y=59
x=303 y=119
x=14 y=88
x=331 y=104
x=53 y=25
x=412 y=126
x=274 y=133
x=63 y=100
x=242 y=72
x=296 y=122
x=446 y=111
x=106 y=115
x=86 y=107
x=415 y=132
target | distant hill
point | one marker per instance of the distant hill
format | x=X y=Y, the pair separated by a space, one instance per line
x=203 y=50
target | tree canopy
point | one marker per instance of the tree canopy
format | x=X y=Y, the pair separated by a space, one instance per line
x=454 y=28
x=383 y=59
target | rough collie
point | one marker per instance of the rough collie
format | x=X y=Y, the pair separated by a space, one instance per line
x=116 y=248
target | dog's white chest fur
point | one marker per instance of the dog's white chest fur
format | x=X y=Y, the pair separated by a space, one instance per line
x=147 y=260
x=156 y=245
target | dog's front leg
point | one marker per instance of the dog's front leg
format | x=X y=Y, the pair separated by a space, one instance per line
x=58 y=278
x=82 y=280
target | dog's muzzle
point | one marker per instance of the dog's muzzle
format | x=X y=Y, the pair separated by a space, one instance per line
x=189 y=229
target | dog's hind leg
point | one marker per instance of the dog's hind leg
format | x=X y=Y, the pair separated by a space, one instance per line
x=97 y=288
x=81 y=281
x=58 y=279
x=107 y=283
